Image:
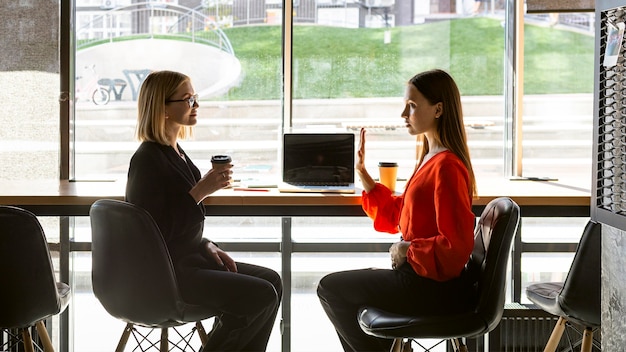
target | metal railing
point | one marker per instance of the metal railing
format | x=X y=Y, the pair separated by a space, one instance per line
x=152 y=20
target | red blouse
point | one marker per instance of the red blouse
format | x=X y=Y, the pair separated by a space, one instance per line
x=434 y=213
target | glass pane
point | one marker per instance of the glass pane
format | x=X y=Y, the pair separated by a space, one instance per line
x=236 y=229
x=232 y=56
x=29 y=86
x=552 y=230
x=306 y=310
x=86 y=312
x=29 y=89
x=338 y=229
x=350 y=71
x=544 y=267
x=558 y=96
x=81 y=229
x=50 y=226
x=243 y=229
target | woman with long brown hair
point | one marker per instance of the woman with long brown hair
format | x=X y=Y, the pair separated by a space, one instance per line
x=433 y=215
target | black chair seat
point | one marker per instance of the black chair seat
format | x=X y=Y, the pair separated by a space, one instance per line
x=384 y=324
x=30 y=293
x=187 y=313
x=544 y=296
x=577 y=299
x=65 y=293
x=35 y=314
x=133 y=276
x=487 y=267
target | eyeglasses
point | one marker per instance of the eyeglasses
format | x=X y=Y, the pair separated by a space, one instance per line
x=192 y=100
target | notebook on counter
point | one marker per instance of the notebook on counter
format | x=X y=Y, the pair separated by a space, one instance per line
x=318 y=163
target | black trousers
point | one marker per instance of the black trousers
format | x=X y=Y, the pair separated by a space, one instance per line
x=343 y=293
x=247 y=300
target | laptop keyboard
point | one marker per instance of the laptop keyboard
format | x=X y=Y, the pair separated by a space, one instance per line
x=319 y=184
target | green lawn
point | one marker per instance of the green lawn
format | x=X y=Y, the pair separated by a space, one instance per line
x=332 y=62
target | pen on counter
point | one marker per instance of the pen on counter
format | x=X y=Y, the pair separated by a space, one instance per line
x=251 y=189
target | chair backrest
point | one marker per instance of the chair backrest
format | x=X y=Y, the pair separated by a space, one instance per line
x=29 y=291
x=487 y=266
x=581 y=294
x=132 y=272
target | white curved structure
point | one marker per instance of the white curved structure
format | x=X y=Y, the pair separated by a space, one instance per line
x=212 y=71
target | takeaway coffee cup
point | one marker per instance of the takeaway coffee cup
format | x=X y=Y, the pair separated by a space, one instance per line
x=388 y=172
x=218 y=161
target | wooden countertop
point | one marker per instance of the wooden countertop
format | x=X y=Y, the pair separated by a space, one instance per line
x=84 y=193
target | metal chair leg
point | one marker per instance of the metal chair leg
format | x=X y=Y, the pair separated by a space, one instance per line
x=555 y=337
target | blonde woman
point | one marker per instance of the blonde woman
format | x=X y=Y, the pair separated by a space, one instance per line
x=163 y=180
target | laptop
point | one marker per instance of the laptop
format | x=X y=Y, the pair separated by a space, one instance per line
x=318 y=163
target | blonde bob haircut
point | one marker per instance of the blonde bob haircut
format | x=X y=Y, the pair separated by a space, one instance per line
x=158 y=87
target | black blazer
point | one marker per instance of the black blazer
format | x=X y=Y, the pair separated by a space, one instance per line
x=159 y=181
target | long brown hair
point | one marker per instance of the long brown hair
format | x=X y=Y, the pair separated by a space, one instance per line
x=437 y=86
x=158 y=87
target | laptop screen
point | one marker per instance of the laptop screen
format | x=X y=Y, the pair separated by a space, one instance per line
x=318 y=158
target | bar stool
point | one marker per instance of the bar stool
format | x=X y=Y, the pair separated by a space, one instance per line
x=577 y=299
x=487 y=267
x=133 y=276
x=30 y=293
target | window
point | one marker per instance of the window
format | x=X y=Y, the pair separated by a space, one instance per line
x=239 y=115
x=349 y=62
x=29 y=79
x=558 y=100
x=29 y=86
x=348 y=72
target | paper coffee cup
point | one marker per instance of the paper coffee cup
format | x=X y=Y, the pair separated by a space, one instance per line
x=218 y=161
x=388 y=172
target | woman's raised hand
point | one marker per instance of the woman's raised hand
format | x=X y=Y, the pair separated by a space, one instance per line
x=366 y=180
x=360 y=163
